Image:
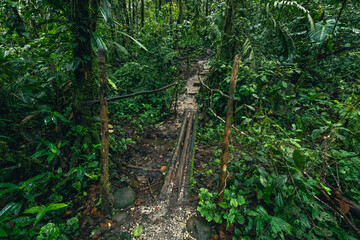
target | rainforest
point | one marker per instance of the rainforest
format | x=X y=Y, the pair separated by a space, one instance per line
x=179 y=119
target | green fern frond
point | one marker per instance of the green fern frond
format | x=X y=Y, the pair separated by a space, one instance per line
x=246 y=46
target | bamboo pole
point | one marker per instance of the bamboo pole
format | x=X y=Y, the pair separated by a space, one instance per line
x=164 y=189
x=182 y=161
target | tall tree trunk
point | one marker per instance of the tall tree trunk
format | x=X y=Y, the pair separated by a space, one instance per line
x=159 y=6
x=19 y=24
x=84 y=87
x=129 y=12
x=156 y=10
x=170 y=14
x=133 y=12
x=229 y=114
x=180 y=17
x=142 y=13
x=125 y=10
x=207 y=8
x=104 y=123
x=136 y=13
x=226 y=48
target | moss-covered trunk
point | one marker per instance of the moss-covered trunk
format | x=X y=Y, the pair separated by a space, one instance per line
x=84 y=87
x=226 y=50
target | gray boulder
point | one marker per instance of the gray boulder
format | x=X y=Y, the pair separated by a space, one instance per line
x=199 y=228
x=124 y=197
x=120 y=217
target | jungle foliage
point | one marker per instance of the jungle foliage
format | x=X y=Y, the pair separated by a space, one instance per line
x=298 y=90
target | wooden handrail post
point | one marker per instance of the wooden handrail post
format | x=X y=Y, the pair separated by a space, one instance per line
x=104 y=123
x=229 y=114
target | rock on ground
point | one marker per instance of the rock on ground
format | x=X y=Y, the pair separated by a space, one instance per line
x=124 y=197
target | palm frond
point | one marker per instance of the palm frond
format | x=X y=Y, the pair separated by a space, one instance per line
x=127 y=35
x=106 y=11
x=120 y=47
x=97 y=42
x=296 y=7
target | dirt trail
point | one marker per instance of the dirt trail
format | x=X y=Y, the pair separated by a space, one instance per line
x=166 y=218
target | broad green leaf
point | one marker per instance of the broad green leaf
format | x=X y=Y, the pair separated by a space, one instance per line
x=40 y=214
x=328 y=190
x=61 y=117
x=31 y=180
x=8 y=185
x=240 y=219
x=10 y=208
x=53 y=147
x=233 y=202
x=138 y=230
x=23 y=221
x=241 y=200
x=224 y=205
x=13 y=188
x=322 y=31
x=50 y=230
x=278 y=225
x=262 y=172
x=72 y=221
x=315 y=134
x=55 y=206
x=35 y=209
x=80 y=173
x=125 y=236
x=299 y=159
x=77 y=185
x=2 y=232
x=112 y=84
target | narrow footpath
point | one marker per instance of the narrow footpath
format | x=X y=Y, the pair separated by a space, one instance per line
x=167 y=216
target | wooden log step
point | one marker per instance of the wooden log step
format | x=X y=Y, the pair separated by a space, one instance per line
x=197 y=84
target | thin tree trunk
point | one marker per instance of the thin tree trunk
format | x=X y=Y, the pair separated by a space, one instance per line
x=129 y=11
x=125 y=12
x=156 y=10
x=207 y=8
x=170 y=13
x=142 y=13
x=104 y=123
x=229 y=114
x=133 y=12
x=226 y=49
x=136 y=12
x=19 y=24
x=84 y=86
x=159 y=6
x=180 y=17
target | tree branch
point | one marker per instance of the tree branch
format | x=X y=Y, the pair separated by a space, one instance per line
x=89 y=103
x=218 y=91
x=342 y=49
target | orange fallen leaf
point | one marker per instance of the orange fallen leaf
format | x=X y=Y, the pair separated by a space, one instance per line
x=86 y=210
x=163 y=168
x=94 y=210
x=156 y=209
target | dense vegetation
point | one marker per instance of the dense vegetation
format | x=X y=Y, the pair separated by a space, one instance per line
x=297 y=106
